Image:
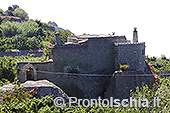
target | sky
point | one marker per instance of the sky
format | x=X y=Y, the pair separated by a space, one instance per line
x=151 y=17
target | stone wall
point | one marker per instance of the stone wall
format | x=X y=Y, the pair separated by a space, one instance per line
x=74 y=56
x=91 y=86
x=78 y=85
x=97 y=55
x=132 y=54
x=102 y=55
x=43 y=66
x=22 y=52
x=81 y=86
x=121 y=84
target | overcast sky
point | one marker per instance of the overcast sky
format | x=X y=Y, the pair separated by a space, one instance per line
x=151 y=17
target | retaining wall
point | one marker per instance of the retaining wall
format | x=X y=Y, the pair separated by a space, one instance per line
x=24 y=53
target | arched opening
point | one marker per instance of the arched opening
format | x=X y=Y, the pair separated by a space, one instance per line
x=29 y=73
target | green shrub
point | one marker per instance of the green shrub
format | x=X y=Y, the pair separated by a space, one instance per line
x=1 y=12
x=1 y=33
x=18 y=101
x=18 y=12
x=124 y=67
x=8 y=66
x=162 y=91
x=4 y=82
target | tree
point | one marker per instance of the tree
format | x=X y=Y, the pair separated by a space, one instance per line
x=153 y=58
x=15 y=6
x=9 y=28
x=1 y=11
x=18 y=12
x=64 y=34
x=39 y=22
x=10 y=10
x=1 y=33
x=27 y=28
x=40 y=32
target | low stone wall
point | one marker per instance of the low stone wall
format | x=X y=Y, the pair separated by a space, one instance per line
x=24 y=53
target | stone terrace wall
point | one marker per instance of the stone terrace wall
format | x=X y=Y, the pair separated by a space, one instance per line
x=21 y=52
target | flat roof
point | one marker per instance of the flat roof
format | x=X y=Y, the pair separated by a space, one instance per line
x=95 y=36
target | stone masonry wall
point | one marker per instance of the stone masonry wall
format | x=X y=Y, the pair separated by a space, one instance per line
x=43 y=66
x=121 y=84
x=88 y=86
x=81 y=86
x=96 y=56
x=21 y=52
x=91 y=86
x=78 y=85
x=74 y=56
x=132 y=54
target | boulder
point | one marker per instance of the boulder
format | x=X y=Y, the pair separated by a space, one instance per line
x=40 y=88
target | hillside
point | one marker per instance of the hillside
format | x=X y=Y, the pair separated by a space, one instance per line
x=17 y=31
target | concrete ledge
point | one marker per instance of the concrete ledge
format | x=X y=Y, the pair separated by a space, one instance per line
x=26 y=62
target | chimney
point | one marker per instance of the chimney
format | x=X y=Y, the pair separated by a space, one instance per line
x=135 y=35
x=58 y=39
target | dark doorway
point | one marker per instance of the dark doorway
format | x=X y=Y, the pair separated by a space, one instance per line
x=30 y=74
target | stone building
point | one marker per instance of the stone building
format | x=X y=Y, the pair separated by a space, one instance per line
x=99 y=54
x=86 y=66
x=90 y=54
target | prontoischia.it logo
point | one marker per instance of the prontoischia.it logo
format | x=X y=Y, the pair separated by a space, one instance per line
x=132 y=102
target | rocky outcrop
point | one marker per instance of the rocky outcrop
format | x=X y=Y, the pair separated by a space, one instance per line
x=41 y=87
x=82 y=86
x=53 y=24
x=56 y=26
x=49 y=27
